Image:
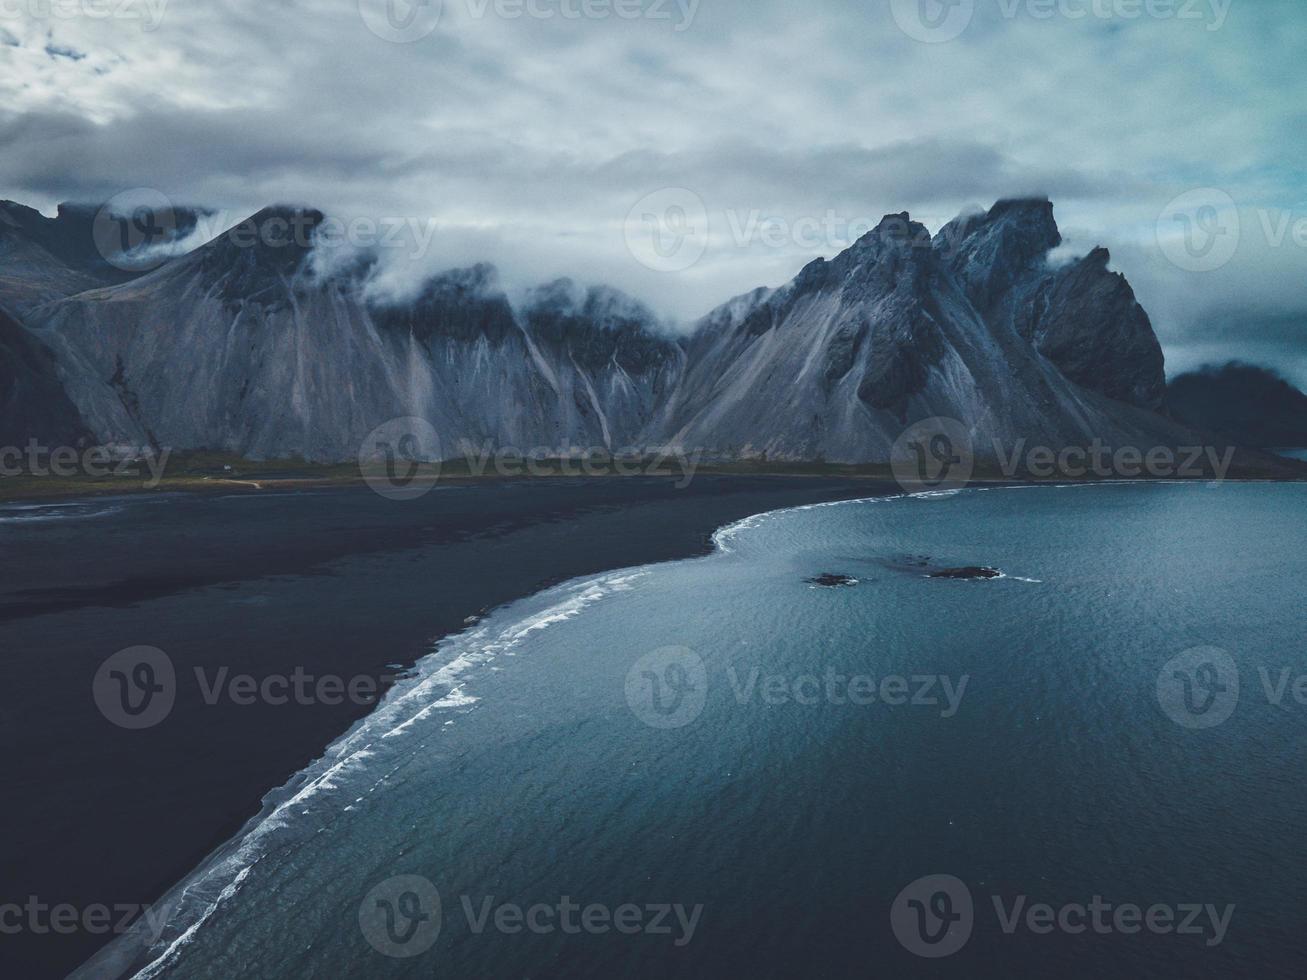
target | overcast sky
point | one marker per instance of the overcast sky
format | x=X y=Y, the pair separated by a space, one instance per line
x=557 y=137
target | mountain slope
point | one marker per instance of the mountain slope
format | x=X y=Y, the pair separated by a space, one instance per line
x=43 y=259
x=901 y=327
x=33 y=404
x=39 y=261
x=241 y=346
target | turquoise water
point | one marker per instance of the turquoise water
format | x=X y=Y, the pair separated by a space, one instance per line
x=809 y=752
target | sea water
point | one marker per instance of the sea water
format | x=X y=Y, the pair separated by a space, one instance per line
x=715 y=767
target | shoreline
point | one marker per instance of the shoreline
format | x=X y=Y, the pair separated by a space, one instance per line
x=173 y=795
x=206 y=473
x=125 y=952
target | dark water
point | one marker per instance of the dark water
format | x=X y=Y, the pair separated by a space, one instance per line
x=792 y=773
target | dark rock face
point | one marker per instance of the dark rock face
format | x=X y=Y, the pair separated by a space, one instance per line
x=842 y=353
x=598 y=326
x=1081 y=316
x=462 y=305
x=33 y=404
x=1251 y=406
x=68 y=236
x=894 y=269
x=254 y=261
x=993 y=253
x=1086 y=320
x=43 y=259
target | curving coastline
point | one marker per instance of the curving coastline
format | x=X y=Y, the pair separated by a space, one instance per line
x=340 y=580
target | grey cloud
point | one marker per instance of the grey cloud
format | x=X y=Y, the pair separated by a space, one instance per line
x=527 y=142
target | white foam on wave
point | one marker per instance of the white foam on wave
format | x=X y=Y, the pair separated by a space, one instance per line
x=723 y=536
x=433 y=688
x=935 y=494
x=47 y=513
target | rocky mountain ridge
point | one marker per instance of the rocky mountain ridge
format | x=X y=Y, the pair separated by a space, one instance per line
x=245 y=345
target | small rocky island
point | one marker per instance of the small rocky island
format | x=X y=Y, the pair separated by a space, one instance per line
x=966 y=572
x=830 y=580
x=923 y=565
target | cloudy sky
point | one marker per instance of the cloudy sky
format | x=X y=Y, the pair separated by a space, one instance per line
x=688 y=150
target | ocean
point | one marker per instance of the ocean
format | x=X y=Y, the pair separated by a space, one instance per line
x=1088 y=765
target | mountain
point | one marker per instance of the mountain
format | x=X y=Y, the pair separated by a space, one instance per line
x=1252 y=406
x=249 y=345
x=972 y=325
x=242 y=346
x=43 y=259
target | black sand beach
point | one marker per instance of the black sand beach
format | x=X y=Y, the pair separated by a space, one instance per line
x=334 y=582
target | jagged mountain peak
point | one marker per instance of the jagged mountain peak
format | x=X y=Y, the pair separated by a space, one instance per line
x=990 y=252
x=1035 y=208
x=1031 y=215
x=894 y=232
x=1098 y=258
x=272 y=233
x=69 y=237
x=563 y=294
x=78 y=239
x=256 y=259
x=896 y=254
